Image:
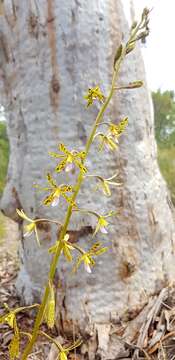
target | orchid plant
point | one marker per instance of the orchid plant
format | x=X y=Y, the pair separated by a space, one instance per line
x=67 y=160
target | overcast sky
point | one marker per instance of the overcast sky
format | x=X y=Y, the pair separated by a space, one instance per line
x=159 y=52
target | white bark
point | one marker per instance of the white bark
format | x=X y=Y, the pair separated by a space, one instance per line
x=51 y=52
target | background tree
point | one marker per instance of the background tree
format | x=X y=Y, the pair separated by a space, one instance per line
x=51 y=52
x=164 y=114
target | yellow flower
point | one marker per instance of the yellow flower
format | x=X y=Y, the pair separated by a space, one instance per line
x=55 y=192
x=110 y=139
x=107 y=141
x=115 y=130
x=93 y=94
x=64 y=351
x=87 y=259
x=102 y=223
x=29 y=228
x=10 y=319
x=88 y=262
x=62 y=355
x=66 y=247
x=70 y=159
x=105 y=184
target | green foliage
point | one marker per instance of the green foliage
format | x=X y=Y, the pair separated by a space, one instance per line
x=164 y=114
x=4 y=154
x=166 y=160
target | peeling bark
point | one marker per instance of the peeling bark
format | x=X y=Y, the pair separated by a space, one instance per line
x=51 y=52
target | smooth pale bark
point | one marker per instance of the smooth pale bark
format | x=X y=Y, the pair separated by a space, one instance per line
x=51 y=52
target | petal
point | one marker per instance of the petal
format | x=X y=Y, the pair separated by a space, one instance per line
x=63 y=355
x=61 y=166
x=69 y=167
x=87 y=268
x=22 y=214
x=103 y=230
x=28 y=233
x=37 y=237
x=66 y=237
x=107 y=146
x=67 y=253
x=96 y=229
x=55 y=201
x=106 y=189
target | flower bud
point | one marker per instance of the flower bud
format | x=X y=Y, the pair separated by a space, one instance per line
x=118 y=54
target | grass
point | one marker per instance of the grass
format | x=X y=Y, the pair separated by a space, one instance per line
x=166 y=160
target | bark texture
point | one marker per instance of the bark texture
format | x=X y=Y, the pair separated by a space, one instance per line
x=50 y=53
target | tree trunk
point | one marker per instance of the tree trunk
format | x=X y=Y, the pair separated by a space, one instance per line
x=51 y=52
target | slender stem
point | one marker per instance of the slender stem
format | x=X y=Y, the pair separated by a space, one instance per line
x=87 y=212
x=75 y=246
x=26 y=334
x=57 y=254
x=104 y=123
x=57 y=344
x=48 y=220
x=26 y=308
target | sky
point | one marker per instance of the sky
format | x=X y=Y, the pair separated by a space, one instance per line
x=159 y=51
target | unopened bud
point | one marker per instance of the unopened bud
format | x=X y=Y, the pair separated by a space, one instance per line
x=50 y=309
x=130 y=47
x=145 y=12
x=134 y=25
x=142 y=35
x=134 y=85
x=118 y=54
